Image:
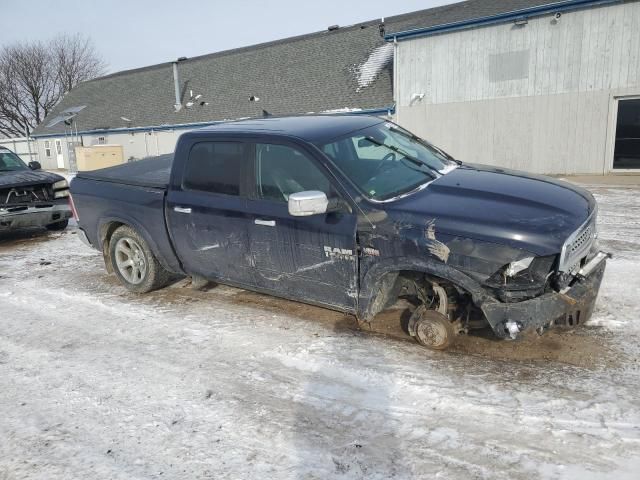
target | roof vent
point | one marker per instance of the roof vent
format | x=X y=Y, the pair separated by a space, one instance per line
x=333 y=28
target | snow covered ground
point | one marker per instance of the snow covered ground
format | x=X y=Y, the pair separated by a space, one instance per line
x=98 y=383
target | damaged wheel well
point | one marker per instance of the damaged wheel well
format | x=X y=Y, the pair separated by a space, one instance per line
x=421 y=288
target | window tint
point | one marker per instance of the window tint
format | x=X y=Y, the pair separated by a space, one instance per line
x=215 y=167
x=283 y=170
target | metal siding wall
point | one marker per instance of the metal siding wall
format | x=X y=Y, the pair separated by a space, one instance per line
x=553 y=121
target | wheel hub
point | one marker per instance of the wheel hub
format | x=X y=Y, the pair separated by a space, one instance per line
x=130 y=260
x=431 y=334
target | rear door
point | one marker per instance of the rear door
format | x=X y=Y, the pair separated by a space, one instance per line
x=206 y=213
x=306 y=258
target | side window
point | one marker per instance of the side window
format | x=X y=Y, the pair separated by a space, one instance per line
x=283 y=170
x=215 y=167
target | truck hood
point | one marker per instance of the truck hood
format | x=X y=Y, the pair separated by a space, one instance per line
x=530 y=212
x=23 y=178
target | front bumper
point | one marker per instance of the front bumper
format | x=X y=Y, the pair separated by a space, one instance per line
x=573 y=306
x=34 y=215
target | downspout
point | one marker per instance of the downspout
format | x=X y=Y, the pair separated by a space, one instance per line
x=395 y=83
x=155 y=135
x=176 y=87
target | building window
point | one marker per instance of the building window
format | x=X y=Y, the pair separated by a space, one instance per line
x=627 y=150
x=47 y=148
x=102 y=140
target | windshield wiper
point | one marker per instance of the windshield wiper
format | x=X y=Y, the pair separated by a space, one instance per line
x=413 y=160
x=416 y=138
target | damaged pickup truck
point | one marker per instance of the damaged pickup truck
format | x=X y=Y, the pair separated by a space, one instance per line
x=30 y=197
x=352 y=213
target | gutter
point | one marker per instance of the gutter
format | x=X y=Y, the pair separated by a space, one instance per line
x=177 y=126
x=522 y=14
x=389 y=110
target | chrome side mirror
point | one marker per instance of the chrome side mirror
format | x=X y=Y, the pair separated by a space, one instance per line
x=304 y=204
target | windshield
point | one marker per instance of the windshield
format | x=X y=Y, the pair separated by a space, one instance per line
x=10 y=162
x=385 y=161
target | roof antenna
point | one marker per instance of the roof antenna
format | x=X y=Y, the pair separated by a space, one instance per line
x=381 y=27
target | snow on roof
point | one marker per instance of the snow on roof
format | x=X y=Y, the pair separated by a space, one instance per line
x=371 y=68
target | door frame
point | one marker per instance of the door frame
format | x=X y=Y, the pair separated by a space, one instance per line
x=57 y=142
x=611 y=137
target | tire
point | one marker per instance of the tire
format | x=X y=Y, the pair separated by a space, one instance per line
x=133 y=262
x=58 y=226
x=433 y=330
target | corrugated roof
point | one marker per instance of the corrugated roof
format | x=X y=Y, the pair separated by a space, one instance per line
x=331 y=70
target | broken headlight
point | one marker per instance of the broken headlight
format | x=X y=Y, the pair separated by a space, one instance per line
x=523 y=279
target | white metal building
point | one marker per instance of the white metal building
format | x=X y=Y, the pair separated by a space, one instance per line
x=553 y=87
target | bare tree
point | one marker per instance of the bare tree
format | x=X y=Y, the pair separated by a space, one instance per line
x=34 y=77
x=76 y=60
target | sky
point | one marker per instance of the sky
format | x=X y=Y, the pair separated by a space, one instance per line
x=136 y=33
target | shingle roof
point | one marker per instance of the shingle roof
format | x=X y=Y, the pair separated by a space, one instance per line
x=346 y=68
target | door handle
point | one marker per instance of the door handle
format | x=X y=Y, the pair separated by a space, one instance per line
x=181 y=209
x=266 y=223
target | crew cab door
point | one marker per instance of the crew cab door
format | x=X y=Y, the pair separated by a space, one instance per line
x=313 y=258
x=206 y=211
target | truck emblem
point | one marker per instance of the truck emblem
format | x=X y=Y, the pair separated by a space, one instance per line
x=339 y=253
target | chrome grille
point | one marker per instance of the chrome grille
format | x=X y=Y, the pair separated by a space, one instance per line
x=578 y=245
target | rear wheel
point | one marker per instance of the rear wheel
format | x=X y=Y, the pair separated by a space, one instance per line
x=135 y=265
x=432 y=329
x=58 y=226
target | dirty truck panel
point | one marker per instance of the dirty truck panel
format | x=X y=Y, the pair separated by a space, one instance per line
x=351 y=213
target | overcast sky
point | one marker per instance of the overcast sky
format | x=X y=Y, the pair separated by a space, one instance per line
x=135 y=33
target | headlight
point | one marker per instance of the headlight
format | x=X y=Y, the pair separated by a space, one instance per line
x=525 y=272
x=522 y=279
x=61 y=185
x=518 y=266
x=61 y=194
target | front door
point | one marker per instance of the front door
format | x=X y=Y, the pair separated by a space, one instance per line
x=59 y=155
x=207 y=214
x=305 y=258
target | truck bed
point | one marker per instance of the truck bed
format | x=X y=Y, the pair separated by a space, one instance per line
x=153 y=172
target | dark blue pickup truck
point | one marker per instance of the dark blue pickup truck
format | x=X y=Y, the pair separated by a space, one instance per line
x=352 y=213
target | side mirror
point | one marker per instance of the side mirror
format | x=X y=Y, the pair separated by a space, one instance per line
x=305 y=204
x=35 y=166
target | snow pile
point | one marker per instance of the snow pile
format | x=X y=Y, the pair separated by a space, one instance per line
x=100 y=383
x=367 y=72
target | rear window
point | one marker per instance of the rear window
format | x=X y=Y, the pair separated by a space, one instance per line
x=215 y=167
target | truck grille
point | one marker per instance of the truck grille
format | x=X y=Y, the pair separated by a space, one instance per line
x=578 y=245
x=26 y=195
